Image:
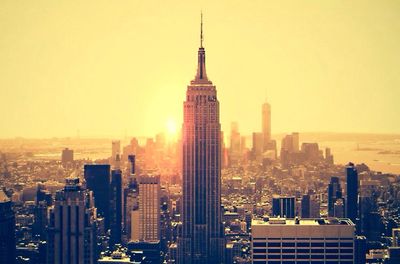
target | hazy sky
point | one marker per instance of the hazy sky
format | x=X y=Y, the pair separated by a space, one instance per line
x=106 y=67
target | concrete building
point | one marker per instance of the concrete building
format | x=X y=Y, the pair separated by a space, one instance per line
x=280 y=240
x=71 y=234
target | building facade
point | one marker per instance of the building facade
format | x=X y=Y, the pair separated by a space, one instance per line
x=301 y=241
x=352 y=192
x=7 y=230
x=97 y=177
x=71 y=234
x=202 y=232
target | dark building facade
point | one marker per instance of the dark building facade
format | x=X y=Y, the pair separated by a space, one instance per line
x=202 y=233
x=7 y=230
x=334 y=193
x=116 y=207
x=352 y=192
x=71 y=234
x=97 y=177
x=284 y=207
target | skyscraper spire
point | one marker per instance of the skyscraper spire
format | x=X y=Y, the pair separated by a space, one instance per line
x=201 y=75
x=201 y=30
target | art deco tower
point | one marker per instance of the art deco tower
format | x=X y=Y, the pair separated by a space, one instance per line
x=202 y=234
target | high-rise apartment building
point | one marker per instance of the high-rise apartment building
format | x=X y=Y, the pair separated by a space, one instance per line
x=202 y=238
x=71 y=231
x=280 y=240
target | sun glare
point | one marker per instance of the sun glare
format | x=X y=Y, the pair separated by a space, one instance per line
x=171 y=127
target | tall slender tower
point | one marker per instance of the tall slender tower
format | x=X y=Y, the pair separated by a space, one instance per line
x=202 y=235
x=266 y=123
x=352 y=192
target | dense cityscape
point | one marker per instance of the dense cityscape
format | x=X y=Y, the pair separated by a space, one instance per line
x=206 y=196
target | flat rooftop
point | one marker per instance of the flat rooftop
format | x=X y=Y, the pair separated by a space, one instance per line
x=302 y=222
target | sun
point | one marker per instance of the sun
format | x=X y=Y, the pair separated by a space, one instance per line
x=171 y=127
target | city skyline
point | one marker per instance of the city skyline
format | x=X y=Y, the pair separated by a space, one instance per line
x=106 y=73
x=197 y=195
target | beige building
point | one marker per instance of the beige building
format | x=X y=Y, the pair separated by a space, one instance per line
x=280 y=240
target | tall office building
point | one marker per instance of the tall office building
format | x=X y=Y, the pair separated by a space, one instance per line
x=283 y=206
x=277 y=240
x=149 y=208
x=352 y=192
x=7 y=230
x=266 y=124
x=71 y=234
x=116 y=207
x=334 y=193
x=202 y=239
x=131 y=199
x=97 y=177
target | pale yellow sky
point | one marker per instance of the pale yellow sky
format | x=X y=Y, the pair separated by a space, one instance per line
x=106 y=67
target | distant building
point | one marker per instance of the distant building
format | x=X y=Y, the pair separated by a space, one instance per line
x=334 y=193
x=258 y=145
x=311 y=152
x=283 y=206
x=279 y=240
x=290 y=143
x=338 y=208
x=352 y=192
x=97 y=177
x=235 y=148
x=266 y=124
x=7 y=230
x=328 y=156
x=115 y=150
x=71 y=234
x=67 y=156
x=310 y=206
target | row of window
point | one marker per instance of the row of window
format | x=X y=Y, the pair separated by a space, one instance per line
x=303 y=256
x=301 y=250
x=304 y=238
x=302 y=244
x=302 y=262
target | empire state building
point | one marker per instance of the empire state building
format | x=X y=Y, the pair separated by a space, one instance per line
x=202 y=235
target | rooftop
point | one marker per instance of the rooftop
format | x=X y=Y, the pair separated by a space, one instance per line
x=303 y=222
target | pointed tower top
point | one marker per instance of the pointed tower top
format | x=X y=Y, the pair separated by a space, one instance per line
x=201 y=76
x=201 y=30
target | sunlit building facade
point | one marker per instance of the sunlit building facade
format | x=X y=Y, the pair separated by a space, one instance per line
x=202 y=238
